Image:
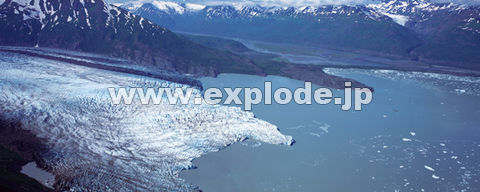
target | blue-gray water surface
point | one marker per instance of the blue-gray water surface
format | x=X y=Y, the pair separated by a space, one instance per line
x=420 y=133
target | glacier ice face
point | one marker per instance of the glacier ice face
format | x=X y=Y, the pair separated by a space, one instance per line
x=95 y=145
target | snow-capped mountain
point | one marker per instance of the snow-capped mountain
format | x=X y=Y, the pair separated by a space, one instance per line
x=416 y=29
x=414 y=11
x=398 y=10
x=284 y=24
x=95 y=26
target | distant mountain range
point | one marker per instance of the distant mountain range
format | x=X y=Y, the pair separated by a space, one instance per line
x=435 y=33
x=95 y=26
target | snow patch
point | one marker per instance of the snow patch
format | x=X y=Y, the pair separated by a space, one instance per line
x=194 y=7
x=400 y=19
x=166 y=6
x=131 y=6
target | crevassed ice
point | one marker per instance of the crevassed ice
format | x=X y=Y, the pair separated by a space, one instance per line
x=95 y=145
x=454 y=84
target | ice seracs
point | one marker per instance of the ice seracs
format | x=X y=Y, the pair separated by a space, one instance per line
x=97 y=146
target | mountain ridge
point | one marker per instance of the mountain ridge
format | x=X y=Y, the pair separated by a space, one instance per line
x=95 y=26
x=413 y=29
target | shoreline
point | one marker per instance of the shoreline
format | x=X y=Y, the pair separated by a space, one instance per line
x=460 y=73
x=301 y=72
x=18 y=148
x=386 y=63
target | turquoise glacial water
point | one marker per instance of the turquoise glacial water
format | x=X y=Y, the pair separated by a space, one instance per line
x=420 y=133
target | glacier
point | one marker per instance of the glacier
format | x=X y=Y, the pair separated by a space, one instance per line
x=459 y=85
x=93 y=145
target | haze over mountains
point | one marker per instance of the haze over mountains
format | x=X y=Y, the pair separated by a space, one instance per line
x=434 y=32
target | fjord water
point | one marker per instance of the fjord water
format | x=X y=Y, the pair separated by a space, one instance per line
x=420 y=133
